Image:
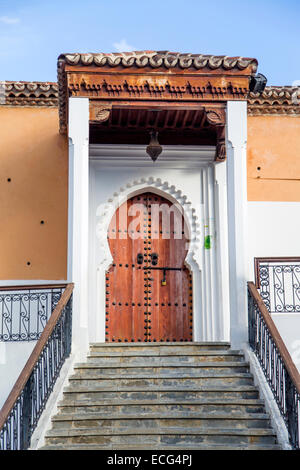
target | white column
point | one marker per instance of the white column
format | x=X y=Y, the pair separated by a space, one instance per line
x=222 y=250
x=79 y=220
x=236 y=146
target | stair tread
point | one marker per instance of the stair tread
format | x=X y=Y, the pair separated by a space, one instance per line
x=165 y=376
x=177 y=447
x=115 y=402
x=197 y=365
x=187 y=431
x=156 y=388
x=164 y=354
x=162 y=344
x=150 y=415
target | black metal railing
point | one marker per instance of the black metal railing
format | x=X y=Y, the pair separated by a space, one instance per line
x=276 y=362
x=26 y=402
x=24 y=311
x=278 y=280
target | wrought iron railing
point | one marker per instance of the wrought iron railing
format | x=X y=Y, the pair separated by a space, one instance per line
x=278 y=281
x=25 y=310
x=276 y=362
x=27 y=400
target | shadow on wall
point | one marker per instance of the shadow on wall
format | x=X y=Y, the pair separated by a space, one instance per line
x=13 y=357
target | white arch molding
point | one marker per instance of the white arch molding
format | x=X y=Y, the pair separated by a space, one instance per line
x=104 y=214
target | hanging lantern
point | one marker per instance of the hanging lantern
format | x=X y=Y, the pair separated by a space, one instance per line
x=154 y=149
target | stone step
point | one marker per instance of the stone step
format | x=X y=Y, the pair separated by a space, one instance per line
x=155 y=357
x=168 y=346
x=95 y=392
x=177 y=447
x=121 y=399
x=168 y=435
x=160 y=420
x=161 y=396
x=95 y=370
x=129 y=407
x=175 y=380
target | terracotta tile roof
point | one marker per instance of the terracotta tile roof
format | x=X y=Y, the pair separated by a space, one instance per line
x=275 y=100
x=157 y=59
x=28 y=93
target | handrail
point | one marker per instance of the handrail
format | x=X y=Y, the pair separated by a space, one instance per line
x=28 y=369
x=33 y=286
x=286 y=357
x=276 y=362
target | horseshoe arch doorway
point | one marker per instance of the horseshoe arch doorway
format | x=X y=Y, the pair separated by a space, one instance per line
x=148 y=286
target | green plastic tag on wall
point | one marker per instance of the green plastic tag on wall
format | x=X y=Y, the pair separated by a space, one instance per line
x=207 y=242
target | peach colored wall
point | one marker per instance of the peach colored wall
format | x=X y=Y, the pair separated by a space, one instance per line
x=274 y=146
x=35 y=157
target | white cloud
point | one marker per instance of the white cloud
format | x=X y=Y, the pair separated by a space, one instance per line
x=123 y=46
x=9 y=20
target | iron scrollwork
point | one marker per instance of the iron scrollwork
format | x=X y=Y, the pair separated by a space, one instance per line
x=24 y=313
x=280 y=286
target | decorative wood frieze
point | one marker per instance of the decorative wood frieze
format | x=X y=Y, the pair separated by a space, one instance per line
x=156 y=88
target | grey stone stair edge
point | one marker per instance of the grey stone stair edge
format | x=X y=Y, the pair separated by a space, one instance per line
x=140 y=402
x=165 y=388
x=204 y=447
x=181 y=377
x=160 y=416
x=192 y=431
x=162 y=344
x=200 y=365
x=199 y=353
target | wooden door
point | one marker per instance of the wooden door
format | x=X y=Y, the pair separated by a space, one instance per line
x=148 y=287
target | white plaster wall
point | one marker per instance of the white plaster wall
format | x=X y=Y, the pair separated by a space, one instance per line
x=13 y=357
x=288 y=325
x=274 y=229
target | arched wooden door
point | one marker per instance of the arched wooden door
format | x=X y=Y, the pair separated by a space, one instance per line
x=148 y=287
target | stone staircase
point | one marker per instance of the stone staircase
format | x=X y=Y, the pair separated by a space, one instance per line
x=161 y=396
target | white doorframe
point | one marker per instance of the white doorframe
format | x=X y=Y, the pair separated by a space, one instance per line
x=236 y=146
x=78 y=223
x=205 y=264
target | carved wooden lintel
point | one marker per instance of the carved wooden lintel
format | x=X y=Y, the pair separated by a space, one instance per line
x=220 y=147
x=178 y=87
x=100 y=112
x=215 y=116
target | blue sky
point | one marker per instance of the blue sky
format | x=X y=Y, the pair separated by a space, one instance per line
x=34 y=32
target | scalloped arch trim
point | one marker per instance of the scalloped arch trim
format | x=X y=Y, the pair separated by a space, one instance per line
x=105 y=212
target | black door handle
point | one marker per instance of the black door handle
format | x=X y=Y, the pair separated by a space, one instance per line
x=140 y=258
x=154 y=258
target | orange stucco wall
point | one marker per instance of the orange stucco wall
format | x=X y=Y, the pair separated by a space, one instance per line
x=34 y=156
x=274 y=147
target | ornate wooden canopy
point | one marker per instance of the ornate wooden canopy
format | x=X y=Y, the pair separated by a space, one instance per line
x=182 y=96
